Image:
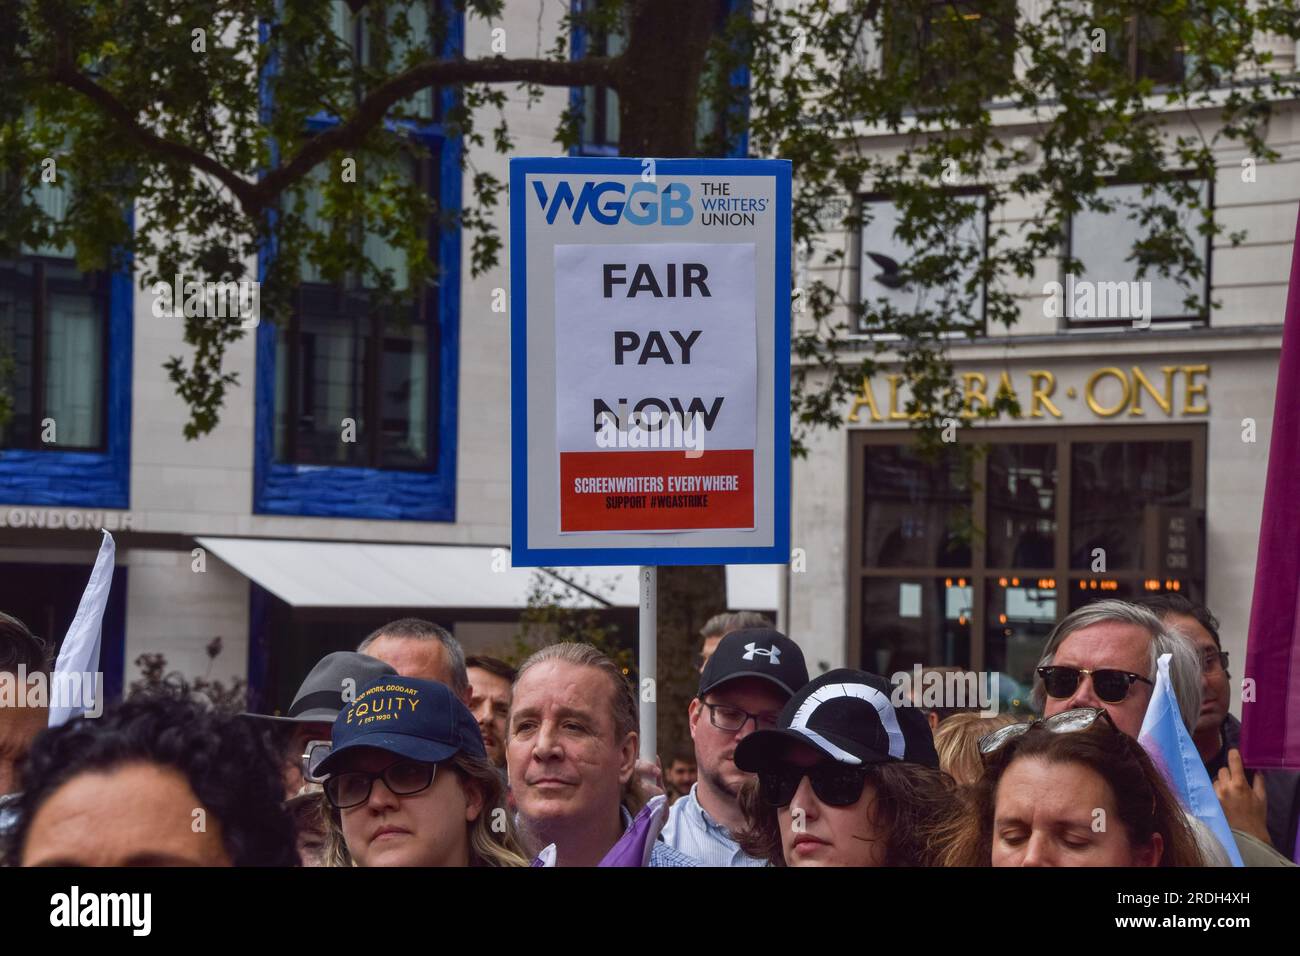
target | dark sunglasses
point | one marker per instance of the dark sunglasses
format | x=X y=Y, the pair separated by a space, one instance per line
x=402 y=778
x=835 y=784
x=1112 y=686
x=1066 y=722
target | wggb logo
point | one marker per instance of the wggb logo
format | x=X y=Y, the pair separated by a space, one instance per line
x=610 y=202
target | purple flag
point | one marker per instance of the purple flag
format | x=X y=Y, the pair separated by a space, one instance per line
x=1270 y=723
x=634 y=846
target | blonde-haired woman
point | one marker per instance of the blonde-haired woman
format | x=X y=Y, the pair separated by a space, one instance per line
x=409 y=783
x=957 y=740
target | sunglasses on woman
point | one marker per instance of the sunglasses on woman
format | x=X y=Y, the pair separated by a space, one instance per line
x=835 y=784
x=403 y=778
x=1112 y=686
x=1067 y=722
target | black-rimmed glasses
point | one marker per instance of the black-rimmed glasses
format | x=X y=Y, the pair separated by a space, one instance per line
x=732 y=719
x=402 y=778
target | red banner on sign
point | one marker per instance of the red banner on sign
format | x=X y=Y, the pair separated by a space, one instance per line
x=658 y=490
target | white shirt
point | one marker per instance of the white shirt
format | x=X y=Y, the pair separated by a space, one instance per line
x=692 y=831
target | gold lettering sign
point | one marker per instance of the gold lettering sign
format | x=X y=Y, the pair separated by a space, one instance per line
x=1107 y=392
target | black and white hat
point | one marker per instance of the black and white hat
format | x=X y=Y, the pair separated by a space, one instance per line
x=756 y=652
x=848 y=716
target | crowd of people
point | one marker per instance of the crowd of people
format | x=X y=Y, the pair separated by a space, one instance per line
x=407 y=753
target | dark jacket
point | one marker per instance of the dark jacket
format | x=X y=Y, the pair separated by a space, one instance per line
x=1282 y=787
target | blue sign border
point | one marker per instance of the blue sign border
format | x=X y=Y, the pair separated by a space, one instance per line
x=521 y=554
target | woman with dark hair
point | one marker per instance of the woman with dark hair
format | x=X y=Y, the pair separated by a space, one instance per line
x=1069 y=790
x=846 y=779
x=409 y=783
x=161 y=779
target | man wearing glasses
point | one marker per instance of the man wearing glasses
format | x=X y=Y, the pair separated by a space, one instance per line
x=303 y=733
x=1104 y=655
x=1265 y=804
x=744 y=685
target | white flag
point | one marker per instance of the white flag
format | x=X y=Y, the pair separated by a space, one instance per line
x=78 y=663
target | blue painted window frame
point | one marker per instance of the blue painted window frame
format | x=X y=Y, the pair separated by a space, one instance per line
x=578 y=50
x=282 y=488
x=87 y=479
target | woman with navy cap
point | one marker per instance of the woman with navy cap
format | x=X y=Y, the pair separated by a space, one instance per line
x=409 y=782
x=845 y=779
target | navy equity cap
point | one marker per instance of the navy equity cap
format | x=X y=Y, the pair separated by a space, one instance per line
x=419 y=719
x=848 y=716
x=755 y=652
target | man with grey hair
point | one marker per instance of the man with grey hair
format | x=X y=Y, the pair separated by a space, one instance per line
x=1104 y=655
x=720 y=625
x=417 y=648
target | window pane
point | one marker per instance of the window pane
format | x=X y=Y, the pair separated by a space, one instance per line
x=404 y=397
x=1103 y=243
x=936 y=45
x=407 y=52
x=1101 y=588
x=53 y=200
x=908 y=621
x=883 y=253
x=332 y=355
x=282 y=409
x=16 y=351
x=1111 y=483
x=74 y=356
x=1018 y=616
x=1021 y=506
x=917 y=513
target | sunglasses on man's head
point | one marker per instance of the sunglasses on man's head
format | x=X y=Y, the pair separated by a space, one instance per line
x=835 y=784
x=1112 y=686
x=1066 y=722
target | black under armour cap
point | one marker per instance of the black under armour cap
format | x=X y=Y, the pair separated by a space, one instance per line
x=848 y=716
x=756 y=652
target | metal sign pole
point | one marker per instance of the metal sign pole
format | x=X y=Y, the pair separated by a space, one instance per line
x=647 y=657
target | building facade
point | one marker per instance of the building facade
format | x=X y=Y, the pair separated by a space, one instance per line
x=287 y=541
x=1136 y=464
x=281 y=533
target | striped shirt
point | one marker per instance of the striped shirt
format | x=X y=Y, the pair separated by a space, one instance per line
x=693 y=832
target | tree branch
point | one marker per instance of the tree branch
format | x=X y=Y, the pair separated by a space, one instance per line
x=592 y=71
x=151 y=141
x=254 y=197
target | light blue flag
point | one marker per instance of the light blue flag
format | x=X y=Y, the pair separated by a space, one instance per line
x=1170 y=746
x=76 y=683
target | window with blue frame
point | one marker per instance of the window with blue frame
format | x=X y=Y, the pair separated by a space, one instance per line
x=597 y=106
x=64 y=375
x=344 y=355
x=349 y=354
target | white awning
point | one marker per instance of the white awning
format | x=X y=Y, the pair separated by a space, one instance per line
x=348 y=574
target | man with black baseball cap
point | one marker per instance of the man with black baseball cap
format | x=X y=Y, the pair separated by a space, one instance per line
x=834 y=736
x=744 y=685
